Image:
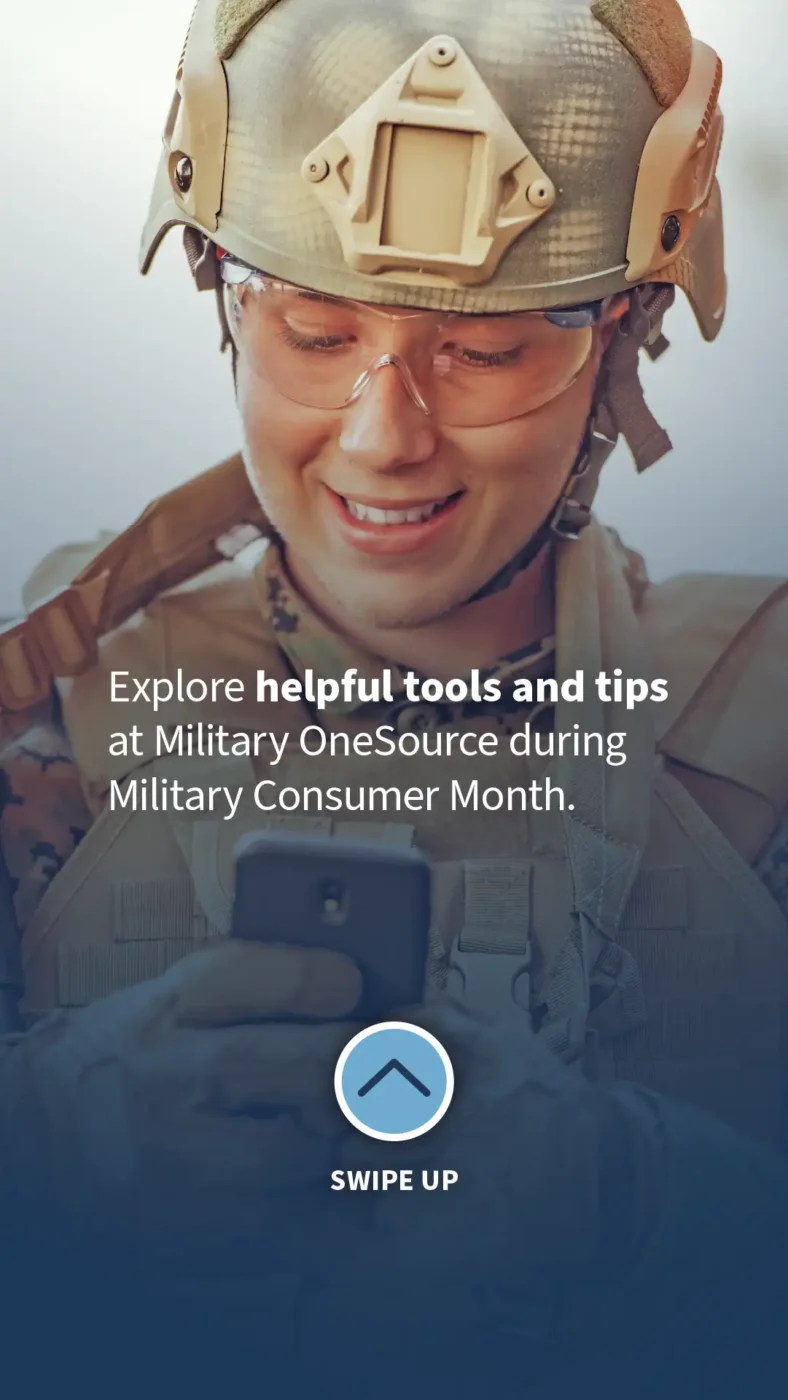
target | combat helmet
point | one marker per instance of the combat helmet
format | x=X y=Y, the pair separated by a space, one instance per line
x=446 y=154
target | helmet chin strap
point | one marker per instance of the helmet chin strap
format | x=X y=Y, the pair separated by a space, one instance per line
x=619 y=410
x=570 y=514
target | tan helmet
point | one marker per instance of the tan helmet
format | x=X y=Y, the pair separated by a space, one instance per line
x=478 y=157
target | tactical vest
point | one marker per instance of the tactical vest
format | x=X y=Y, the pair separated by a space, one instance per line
x=635 y=931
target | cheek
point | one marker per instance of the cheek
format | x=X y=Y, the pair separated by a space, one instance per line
x=281 y=439
x=531 y=457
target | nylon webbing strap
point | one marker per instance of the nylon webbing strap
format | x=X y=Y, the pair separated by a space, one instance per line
x=497 y=906
x=87 y=973
x=497 y=922
x=152 y=910
x=173 y=540
x=621 y=392
x=659 y=899
x=573 y=511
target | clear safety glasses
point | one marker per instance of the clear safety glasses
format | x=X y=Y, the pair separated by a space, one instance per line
x=467 y=371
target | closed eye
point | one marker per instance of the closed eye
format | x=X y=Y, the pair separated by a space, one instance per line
x=485 y=359
x=297 y=341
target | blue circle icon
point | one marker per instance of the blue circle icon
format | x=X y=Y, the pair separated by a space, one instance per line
x=394 y=1081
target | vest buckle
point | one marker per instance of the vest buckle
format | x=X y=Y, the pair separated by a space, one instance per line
x=490 y=981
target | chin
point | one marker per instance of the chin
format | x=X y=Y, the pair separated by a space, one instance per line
x=389 y=612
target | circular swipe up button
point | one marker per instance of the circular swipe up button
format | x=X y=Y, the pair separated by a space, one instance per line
x=394 y=1081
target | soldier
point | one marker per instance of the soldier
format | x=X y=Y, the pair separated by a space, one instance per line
x=439 y=238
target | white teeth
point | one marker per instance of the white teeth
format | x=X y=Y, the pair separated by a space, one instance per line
x=393 y=517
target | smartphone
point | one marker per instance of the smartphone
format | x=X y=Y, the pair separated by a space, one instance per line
x=368 y=900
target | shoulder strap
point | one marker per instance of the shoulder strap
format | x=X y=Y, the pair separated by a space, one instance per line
x=176 y=537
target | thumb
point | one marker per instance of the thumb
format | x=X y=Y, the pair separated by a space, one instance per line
x=240 y=981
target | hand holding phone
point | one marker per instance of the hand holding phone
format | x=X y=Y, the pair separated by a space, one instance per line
x=366 y=900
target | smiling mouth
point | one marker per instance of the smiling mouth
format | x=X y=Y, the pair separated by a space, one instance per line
x=416 y=514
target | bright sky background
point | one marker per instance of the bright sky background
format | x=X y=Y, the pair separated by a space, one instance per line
x=112 y=388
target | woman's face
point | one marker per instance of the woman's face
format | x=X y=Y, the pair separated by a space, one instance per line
x=335 y=483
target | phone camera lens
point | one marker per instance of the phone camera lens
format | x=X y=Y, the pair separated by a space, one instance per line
x=332 y=895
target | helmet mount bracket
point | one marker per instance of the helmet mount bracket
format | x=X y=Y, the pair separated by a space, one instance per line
x=428 y=174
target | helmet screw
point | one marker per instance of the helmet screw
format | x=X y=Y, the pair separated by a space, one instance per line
x=671 y=232
x=314 y=169
x=541 y=193
x=184 y=174
x=442 y=52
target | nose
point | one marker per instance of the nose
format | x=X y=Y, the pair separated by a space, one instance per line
x=384 y=428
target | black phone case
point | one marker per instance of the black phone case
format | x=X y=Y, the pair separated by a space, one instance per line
x=368 y=900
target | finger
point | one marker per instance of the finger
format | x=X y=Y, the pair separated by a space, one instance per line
x=275 y=1066
x=240 y=982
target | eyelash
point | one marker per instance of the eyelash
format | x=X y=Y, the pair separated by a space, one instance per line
x=474 y=359
x=487 y=359
x=308 y=342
